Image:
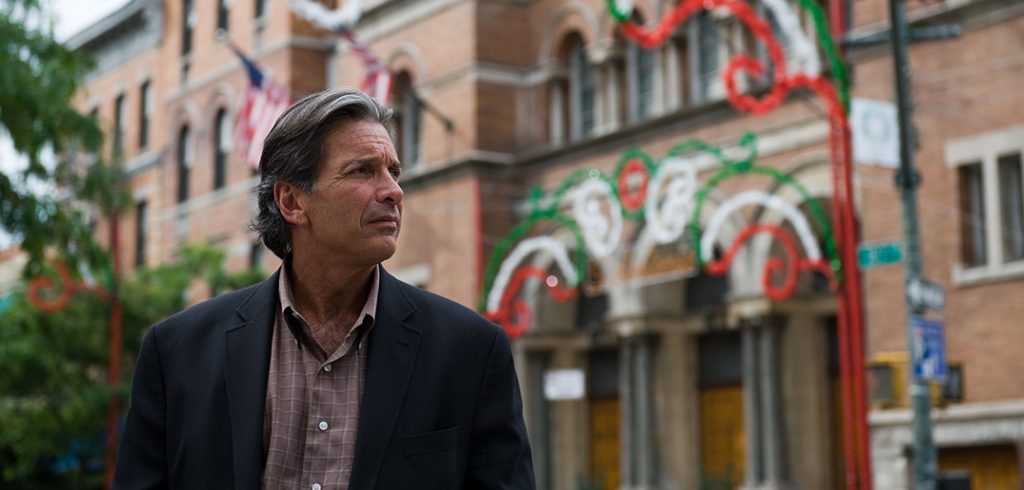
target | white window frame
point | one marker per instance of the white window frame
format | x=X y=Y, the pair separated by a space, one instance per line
x=633 y=72
x=707 y=87
x=987 y=148
x=580 y=67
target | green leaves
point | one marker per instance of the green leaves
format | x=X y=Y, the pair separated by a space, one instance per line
x=53 y=369
x=39 y=78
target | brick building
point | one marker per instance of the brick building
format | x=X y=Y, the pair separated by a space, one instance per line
x=691 y=379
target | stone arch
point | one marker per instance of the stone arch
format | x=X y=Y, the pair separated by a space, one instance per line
x=645 y=242
x=186 y=113
x=649 y=10
x=409 y=58
x=574 y=16
x=222 y=97
x=550 y=315
x=812 y=170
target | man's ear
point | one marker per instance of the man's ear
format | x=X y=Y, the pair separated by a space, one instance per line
x=291 y=202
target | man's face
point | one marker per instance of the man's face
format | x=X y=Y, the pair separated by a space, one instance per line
x=355 y=208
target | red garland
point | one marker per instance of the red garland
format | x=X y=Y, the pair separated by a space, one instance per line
x=633 y=200
x=773 y=265
x=520 y=309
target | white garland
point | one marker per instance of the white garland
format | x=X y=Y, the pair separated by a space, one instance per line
x=331 y=20
x=601 y=234
x=542 y=243
x=806 y=51
x=624 y=7
x=667 y=222
x=800 y=225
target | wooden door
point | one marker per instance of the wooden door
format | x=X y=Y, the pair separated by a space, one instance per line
x=991 y=467
x=604 y=442
x=722 y=438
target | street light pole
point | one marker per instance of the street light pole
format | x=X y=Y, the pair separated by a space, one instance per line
x=907 y=180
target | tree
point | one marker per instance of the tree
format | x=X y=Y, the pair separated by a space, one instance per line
x=54 y=393
x=39 y=77
x=53 y=390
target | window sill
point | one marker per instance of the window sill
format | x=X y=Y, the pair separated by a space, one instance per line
x=989 y=273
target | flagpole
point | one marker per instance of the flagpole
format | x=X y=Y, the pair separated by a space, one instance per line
x=448 y=125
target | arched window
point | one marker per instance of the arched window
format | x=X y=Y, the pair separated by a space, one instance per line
x=140 y=233
x=707 y=58
x=640 y=74
x=145 y=112
x=222 y=143
x=188 y=21
x=223 y=8
x=184 y=162
x=408 y=121
x=582 y=90
x=119 y=122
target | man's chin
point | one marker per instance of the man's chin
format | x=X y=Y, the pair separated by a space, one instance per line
x=386 y=249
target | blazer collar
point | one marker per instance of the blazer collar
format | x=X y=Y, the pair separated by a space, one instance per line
x=394 y=345
x=247 y=362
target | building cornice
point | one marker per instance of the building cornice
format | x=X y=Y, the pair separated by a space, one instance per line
x=106 y=26
x=965 y=14
x=290 y=42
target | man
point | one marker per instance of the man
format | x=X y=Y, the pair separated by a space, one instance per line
x=332 y=373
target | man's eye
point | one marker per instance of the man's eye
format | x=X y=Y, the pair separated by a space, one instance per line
x=396 y=172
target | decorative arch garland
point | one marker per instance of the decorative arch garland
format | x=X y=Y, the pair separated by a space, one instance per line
x=634 y=191
x=666 y=191
x=836 y=97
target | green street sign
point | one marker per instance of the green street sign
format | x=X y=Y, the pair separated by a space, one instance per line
x=872 y=254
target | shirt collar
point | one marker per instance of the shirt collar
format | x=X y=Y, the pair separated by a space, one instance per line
x=284 y=289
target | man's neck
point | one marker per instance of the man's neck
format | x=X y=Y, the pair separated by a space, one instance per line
x=326 y=292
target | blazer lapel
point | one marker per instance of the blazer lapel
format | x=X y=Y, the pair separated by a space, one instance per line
x=245 y=373
x=394 y=345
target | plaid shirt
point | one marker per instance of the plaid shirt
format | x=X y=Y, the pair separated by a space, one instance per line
x=312 y=406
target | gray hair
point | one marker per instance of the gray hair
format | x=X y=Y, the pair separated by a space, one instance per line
x=293 y=152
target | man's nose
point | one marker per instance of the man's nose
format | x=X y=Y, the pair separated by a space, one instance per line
x=389 y=189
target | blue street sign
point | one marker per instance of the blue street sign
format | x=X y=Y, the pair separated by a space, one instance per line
x=929 y=348
x=870 y=254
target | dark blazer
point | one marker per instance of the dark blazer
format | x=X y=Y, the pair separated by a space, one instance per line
x=441 y=407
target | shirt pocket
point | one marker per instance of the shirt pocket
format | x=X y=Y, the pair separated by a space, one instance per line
x=430 y=442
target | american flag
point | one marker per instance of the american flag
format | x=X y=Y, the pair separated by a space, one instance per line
x=265 y=100
x=377 y=81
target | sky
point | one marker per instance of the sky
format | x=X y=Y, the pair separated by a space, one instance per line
x=75 y=15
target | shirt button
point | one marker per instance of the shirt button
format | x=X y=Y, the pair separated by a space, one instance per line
x=327 y=368
x=323 y=425
x=316 y=486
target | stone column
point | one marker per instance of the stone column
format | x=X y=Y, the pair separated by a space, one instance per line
x=771 y=422
x=627 y=427
x=639 y=452
x=613 y=89
x=673 y=75
x=751 y=407
x=569 y=446
x=556 y=113
x=646 y=450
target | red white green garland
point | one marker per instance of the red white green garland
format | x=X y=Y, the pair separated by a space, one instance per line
x=665 y=196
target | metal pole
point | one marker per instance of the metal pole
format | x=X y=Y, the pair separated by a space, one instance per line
x=857 y=451
x=907 y=181
x=114 y=374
